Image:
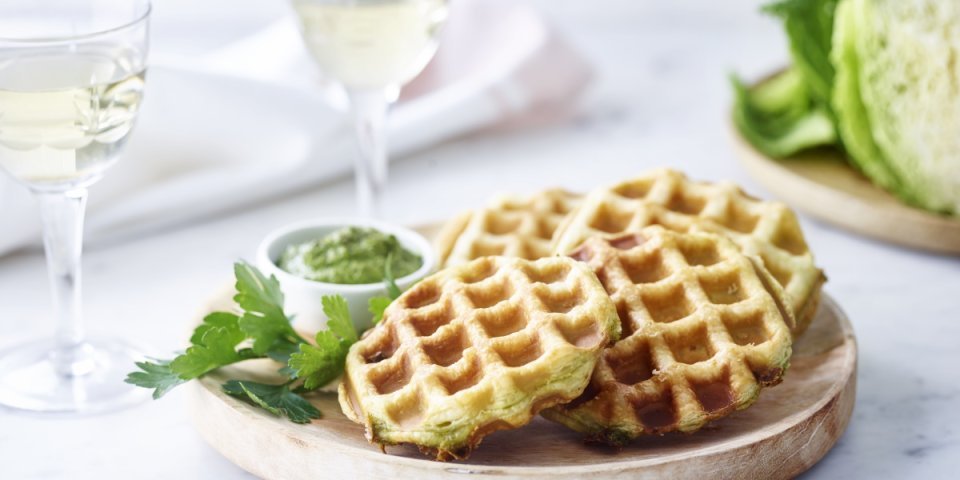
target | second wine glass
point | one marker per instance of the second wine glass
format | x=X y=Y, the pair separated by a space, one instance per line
x=372 y=48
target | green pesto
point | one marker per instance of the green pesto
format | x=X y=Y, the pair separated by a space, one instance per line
x=351 y=255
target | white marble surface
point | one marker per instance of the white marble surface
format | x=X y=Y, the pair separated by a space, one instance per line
x=660 y=98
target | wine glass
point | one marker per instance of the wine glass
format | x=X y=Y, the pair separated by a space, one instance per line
x=71 y=81
x=371 y=48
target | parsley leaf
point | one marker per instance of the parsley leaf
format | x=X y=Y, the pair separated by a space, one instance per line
x=222 y=338
x=213 y=344
x=338 y=317
x=216 y=347
x=256 y=293
x=157 y=376
x=263 y=319
x=281 y=353
x=215 y=319
x=276 y=399
x=376 y=306
x=320 y=364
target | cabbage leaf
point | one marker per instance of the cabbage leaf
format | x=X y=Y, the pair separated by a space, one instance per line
x=779 y=117
x=791 y=112
x=897 y=96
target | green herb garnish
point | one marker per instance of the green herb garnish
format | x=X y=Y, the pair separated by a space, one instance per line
x=262 y=330
x=276 y=399
x=320 y=364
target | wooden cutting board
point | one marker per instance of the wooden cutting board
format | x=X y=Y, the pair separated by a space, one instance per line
x=790 y=428
x=822 y=184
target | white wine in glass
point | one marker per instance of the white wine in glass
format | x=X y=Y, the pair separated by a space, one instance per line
x=66 y=115
x=372 y=48
x=71 y=81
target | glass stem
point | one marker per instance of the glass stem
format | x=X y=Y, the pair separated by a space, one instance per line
x=369 y=108
x=62 y=214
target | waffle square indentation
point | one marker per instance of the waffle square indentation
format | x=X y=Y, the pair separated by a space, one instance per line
x=581 y=334
x=487 y=249
x=486 y=296
x=551 y=273
x=446 y=347
x=686 y=203
x=501 y=225
x=422 y=295
x=700 y=254
x=788 y=237
x=691 y=347
x=610 y=220
x=657 y=414
x=501 y=322
x=634 y=190
x=668 y=305
x=391 y=377
x=384 y=346
x=748 y=330
x=740 y=219
x=560 y=301
x=723 y=289
x=425 y=322
x=517 y=352
x=462 y=379
x=482 y=270
x=715 y=395
x=633 y=366
x=646 y=269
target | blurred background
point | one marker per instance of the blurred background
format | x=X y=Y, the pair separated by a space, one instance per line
x=647 y=85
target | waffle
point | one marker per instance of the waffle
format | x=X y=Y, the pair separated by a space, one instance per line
x=510 y=225
x=704 y=328
x=768 y=230
x=476 y=348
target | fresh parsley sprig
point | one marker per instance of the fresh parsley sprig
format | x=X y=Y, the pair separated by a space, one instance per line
x=322 y=363
x=276 y=399
x=261 y=330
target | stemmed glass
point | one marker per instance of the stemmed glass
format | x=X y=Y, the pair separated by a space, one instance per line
x=371 y=47
x=71 y=81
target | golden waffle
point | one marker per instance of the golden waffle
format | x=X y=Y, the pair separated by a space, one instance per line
x=704 y=327
x=477 y=348
x=510 y=225
x=768 y=230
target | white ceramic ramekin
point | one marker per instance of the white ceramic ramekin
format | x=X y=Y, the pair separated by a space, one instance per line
x=302 y=298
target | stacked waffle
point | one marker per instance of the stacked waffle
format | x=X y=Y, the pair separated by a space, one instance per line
x=652 y=306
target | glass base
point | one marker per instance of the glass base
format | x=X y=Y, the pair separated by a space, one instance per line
x=34 y=377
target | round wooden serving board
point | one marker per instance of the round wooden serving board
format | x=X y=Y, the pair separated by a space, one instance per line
x=822 y=184
x=790 y=428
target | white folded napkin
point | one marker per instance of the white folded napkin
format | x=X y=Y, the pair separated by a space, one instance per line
x=499 y=64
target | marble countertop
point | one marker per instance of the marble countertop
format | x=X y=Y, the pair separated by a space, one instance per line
x=660 y=98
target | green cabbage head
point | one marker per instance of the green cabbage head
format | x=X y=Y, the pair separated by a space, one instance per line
x=896 y=95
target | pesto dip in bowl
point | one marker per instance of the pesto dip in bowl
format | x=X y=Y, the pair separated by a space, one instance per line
x=342 y=256
x=350 y=255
